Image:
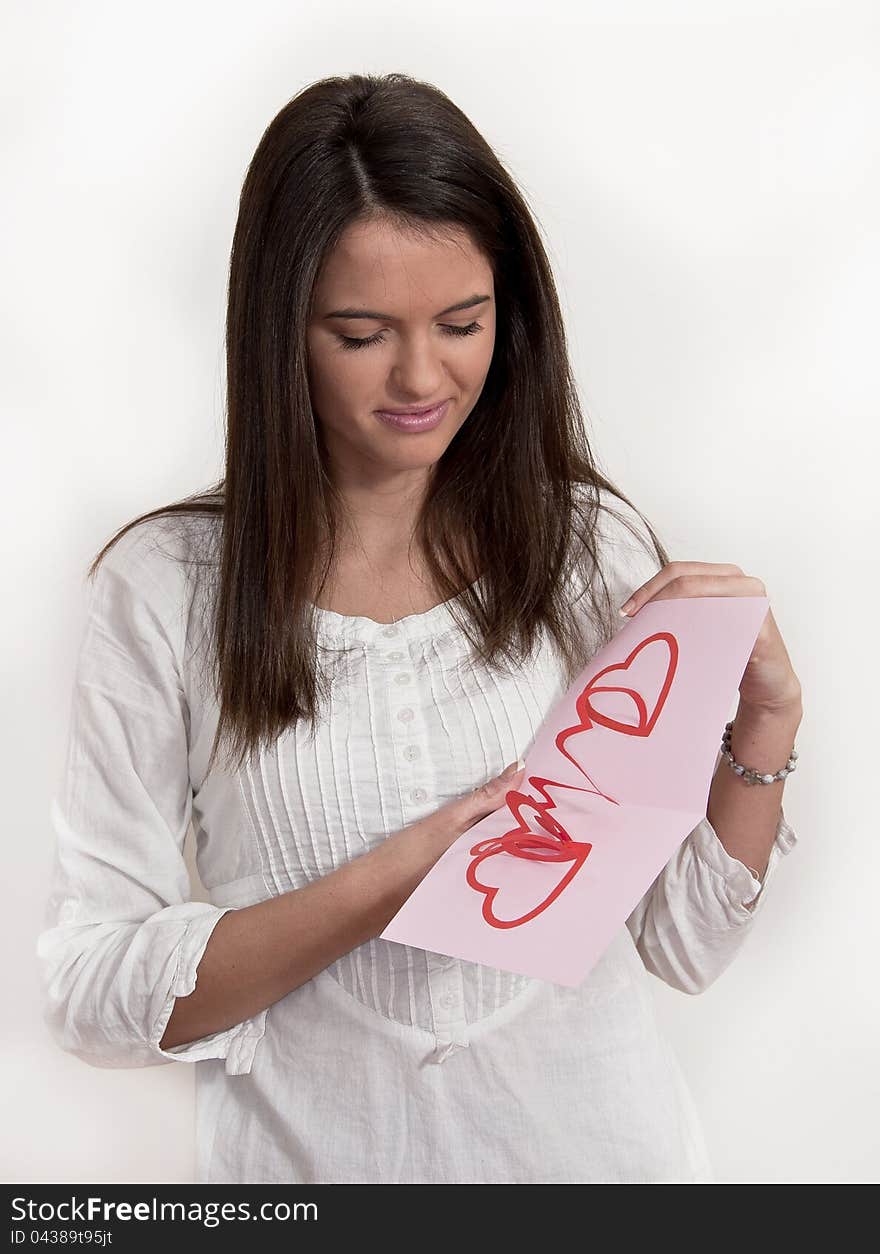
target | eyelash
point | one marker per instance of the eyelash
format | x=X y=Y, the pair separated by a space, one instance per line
x=348 y=343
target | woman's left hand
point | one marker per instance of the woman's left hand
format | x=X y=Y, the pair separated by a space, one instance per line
x=769 y=682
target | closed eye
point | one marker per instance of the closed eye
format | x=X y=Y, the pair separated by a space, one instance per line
x=348 y=342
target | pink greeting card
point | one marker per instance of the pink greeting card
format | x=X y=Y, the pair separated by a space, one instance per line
x=617 y=777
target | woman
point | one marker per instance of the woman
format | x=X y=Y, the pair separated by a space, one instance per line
x=376 y=612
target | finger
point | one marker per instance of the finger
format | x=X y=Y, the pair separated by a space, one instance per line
x=694 y=579
x=665 y=575
x=490 y=794
x=505 y=779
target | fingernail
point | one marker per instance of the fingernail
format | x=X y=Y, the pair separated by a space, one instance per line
x=626 y=607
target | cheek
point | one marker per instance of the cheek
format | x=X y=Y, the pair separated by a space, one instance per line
x=342 y=375
x=482 y=357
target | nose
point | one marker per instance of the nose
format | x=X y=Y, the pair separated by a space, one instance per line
x=418 y=372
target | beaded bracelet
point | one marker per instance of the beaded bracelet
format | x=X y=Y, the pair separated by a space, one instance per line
x=748 y=773
x=752 y=776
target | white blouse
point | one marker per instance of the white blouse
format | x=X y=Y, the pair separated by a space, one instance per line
x=392 y=1065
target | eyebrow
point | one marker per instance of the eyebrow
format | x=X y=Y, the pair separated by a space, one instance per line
x=384 y=317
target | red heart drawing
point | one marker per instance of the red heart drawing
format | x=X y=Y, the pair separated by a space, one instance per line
x=531 y=846
x=588 y=712
x=530 y=814
x=589 y=715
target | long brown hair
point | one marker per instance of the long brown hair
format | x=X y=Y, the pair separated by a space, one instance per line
x=504 y=501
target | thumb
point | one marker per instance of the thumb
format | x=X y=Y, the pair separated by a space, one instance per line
x=511 y=771
x=489 y=795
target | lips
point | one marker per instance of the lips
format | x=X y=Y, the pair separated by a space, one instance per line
x=412 y=413
x=415 y=422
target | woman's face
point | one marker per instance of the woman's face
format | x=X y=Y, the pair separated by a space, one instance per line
x=418 y=355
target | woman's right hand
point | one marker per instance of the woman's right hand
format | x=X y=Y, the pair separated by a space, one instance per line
x=406 y=856
x=453 y=819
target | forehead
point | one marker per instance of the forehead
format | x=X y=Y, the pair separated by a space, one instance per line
x=377 y=260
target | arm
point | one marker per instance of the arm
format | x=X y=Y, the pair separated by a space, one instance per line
x=121 y=936
x=258 y=954
x=134 y=972
x=745 y=815
x=695 y=917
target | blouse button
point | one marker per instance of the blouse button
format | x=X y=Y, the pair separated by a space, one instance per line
x=418 y=794
x=396 y=656
x=411 y=752
x=402 y=679
x=447 y=1000
x=390 y=631
x=405 y=714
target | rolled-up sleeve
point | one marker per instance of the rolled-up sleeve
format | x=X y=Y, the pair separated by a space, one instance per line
x=695 y=917
x=121 y=937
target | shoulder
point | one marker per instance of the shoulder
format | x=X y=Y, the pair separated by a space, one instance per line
x=157 y=565
x=622 y=529
x=625 y=552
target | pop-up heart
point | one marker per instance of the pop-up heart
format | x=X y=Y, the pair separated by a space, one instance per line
x=648 y=672
x=512 y=884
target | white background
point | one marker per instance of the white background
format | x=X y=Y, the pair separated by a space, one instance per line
x=705 y=176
